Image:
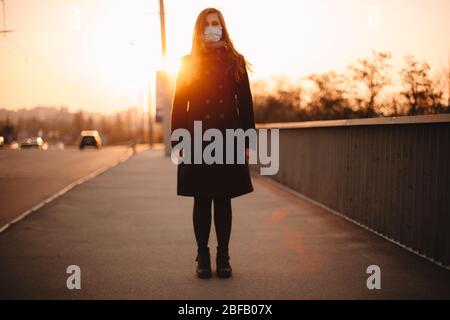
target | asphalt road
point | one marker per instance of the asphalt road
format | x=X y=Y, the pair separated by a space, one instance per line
x=27 y=177
x=132 y=237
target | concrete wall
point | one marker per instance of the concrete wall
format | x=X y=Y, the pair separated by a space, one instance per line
x=391 y=175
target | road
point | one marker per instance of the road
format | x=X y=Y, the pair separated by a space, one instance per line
x=132 y=237
x=27 y=177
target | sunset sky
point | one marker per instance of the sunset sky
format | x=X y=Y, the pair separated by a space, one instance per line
x=101 y=55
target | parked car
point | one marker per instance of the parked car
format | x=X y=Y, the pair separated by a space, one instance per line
x=35 y=142
x=90 y=138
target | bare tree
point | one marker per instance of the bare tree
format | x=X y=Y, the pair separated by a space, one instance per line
x=78 y=124
x=329 y=101
x=374 y=74
x=424 y=95
x=284 y=104
x=447 y=80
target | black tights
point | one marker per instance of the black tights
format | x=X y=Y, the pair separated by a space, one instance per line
x=202 y=220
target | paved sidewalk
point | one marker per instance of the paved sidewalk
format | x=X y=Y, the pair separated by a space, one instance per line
x=133 y=238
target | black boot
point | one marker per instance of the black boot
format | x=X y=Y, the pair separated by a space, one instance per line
x=222 y=263
x=203 y=263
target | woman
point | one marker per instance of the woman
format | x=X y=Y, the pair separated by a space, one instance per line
x=212 y=86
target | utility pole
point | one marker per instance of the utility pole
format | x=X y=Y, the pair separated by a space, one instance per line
x=164 y=85
x=162 y=20
x=159 y=76
x=4 y=31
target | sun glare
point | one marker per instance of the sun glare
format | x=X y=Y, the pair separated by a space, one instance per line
x=171 y=65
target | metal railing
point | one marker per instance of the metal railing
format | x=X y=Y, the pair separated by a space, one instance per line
x=390 y=175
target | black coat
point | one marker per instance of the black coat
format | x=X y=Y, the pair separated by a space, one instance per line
x=219 y=101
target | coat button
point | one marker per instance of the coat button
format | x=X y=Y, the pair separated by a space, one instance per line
x=207 y=101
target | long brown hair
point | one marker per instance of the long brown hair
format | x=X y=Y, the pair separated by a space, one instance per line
x=239 y=63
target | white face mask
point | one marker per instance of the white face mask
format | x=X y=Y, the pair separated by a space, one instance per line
x=212 y=33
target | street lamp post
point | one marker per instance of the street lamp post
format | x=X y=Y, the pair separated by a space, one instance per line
x=163 y=28
x=164 y=85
